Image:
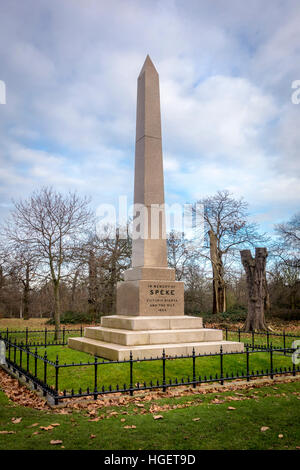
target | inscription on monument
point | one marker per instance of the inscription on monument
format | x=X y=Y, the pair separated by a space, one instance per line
x=162 y=297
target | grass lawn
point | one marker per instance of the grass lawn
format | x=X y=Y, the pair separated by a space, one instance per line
x=83 y=377
x=191 y=422
x=113 y=374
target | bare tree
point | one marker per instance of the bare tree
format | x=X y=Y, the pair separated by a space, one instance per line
x=51 y=225
x=226 y=229
x=285 y=283
x=24 y=266
x=288 y=244
x=255 y=269
x=181 y=254
x=197 y=293
x=114 y=253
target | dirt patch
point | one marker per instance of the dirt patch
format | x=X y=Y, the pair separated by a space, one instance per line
x=292 y=327
x=20 y=324
x=35 y=324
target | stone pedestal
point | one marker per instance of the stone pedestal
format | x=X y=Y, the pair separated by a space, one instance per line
x=148 y=336
x=153 y=298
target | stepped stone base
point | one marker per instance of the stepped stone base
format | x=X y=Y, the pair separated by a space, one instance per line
x=151 y=323
x=118 y=352
x=148 y=336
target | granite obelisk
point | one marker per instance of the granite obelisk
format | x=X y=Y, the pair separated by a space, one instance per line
x=137 y=295
x=150 y=303
x=149 y=180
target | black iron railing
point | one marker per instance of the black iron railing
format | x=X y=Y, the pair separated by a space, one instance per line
x=44 y=337
x=21 y=365
x=241 y=335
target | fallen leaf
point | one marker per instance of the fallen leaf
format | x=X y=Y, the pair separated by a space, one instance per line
x=55 y=442
x=33 y=425
x=123 y=420
x=264 y=428
x=231 y=408
x=7 y=432
x=46 y=428
x=16 y=420
x=130 y=427
x=55 y=424
x=280 y=436
x=196 y=419
x=158 y=417
x=92 y=436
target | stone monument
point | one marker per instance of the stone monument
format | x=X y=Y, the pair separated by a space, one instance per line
x=150 y=303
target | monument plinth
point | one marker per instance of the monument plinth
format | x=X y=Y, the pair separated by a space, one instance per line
x=150 y=303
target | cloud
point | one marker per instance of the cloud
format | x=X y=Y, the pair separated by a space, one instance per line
x=226 y=67
x=222 y=117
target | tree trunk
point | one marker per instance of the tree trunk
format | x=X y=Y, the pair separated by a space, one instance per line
x=92 y=287
x=73 y=290
x=267 y=302
x=219 y=289
x=26 y=294
x=56 y=310
x=293 y=299
x=256 y=286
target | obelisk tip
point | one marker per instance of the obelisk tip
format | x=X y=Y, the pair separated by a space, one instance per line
x=148 y=64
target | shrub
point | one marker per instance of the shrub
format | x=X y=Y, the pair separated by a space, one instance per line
x=233 y=315
x=70 y=317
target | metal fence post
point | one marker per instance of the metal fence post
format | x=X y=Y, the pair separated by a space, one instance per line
x=21 y=354
x=253 y=339
x=63 y=335
x=56 y=380
x=45 y=336
x=35 y=366
x=96 y=378
x=26 y=336
x=294 y=368
x=271 y=361
x=15 y=351
x=284 y=342
x=27 y=362
x=194 y=368
x=221 y=366
x=226 y=333
x=247 y=363
x=45 y=373
x=239 y=331
x=164 y=370
x=131 y=374
x=268 y=340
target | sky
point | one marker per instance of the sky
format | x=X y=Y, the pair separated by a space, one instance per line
x=226 y=70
